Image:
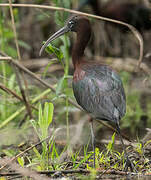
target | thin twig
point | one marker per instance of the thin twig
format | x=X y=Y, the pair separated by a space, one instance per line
x=133 y=29
x=16 y=70
x=14 y=29
x=27 y=104
x=4 y=88
x=5 y=58
x=25 y=172
x=81 y=171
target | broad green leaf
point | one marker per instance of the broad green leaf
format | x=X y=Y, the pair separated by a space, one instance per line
x=45 y=118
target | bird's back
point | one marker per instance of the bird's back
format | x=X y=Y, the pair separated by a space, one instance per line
x=100 y=92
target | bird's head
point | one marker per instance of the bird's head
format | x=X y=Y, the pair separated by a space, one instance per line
x=75 y=23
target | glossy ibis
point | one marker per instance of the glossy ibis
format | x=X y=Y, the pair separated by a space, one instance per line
x=97 y=88
x=137 y=15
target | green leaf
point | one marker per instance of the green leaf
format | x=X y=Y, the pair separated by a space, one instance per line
x=24 y=45
x=53 y=50
x=21 y=161
x=60 y=85
x=111 y=144
x=46 y=68
x=45 y=118
x=48 y=113
x=37 y=153
x=40 y=119
x=58 y=17
x=11 y=82
x=34 y=124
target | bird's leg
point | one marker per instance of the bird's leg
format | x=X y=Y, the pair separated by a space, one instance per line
x=128 y=161
x=93 y=141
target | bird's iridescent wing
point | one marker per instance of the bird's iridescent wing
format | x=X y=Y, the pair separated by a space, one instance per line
x=101 y=93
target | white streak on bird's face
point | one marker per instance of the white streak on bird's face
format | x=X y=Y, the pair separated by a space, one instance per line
x=72 y=23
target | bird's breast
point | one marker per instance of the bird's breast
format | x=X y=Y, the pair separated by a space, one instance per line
x=78 y=75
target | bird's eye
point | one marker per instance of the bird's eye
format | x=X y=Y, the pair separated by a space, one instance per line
x=71 y=24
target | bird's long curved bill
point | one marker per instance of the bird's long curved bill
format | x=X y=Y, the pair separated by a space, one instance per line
x=62 y=31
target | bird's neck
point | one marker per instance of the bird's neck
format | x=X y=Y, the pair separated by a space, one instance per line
x=79 y=46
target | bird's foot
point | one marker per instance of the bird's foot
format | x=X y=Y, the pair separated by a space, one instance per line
x=129 y=164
